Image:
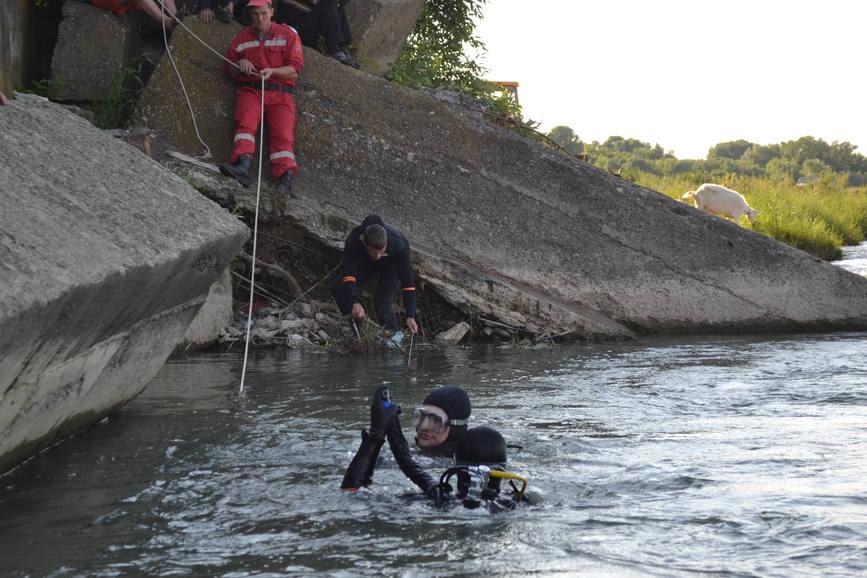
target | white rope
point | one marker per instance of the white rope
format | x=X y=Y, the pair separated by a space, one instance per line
x=258 y=180
x=193 y=34
x=255 y=243
x=207 y=154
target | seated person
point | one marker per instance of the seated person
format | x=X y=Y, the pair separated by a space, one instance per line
x=223 y=10
x=150 y=7
x=479 y=469
x=315 y=18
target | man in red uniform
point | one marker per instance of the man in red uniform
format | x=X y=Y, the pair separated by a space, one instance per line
x=270 y=51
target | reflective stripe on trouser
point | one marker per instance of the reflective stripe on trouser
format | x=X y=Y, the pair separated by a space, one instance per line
x=280 y=122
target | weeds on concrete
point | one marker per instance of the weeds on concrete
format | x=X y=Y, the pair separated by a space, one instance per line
x=116 y=108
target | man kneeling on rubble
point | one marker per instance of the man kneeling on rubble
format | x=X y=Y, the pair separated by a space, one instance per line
x=271 y=52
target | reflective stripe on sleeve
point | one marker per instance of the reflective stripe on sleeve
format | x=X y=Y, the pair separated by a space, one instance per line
x=247 y=45
x=409 y=288
x=348 y=279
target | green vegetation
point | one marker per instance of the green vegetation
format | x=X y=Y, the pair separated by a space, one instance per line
x=115 y=110
x=830 y=211
x=45 y=87
x=787 y=161
x=818 y=218
x=434 y=56
x=826 y=210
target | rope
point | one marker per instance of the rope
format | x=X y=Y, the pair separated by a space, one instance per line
x=193 y=34
x=207 y=154
x=253 y=258
x=408 y=359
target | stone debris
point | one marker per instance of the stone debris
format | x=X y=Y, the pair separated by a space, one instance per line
x=310 y=325
x=454 y=334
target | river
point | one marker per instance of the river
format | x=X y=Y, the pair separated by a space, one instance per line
x=721 y=456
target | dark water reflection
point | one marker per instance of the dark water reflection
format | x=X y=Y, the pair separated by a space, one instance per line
x=724 y=456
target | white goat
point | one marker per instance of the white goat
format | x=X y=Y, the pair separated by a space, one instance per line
x=719 y=200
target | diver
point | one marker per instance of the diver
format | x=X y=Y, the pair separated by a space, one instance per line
x=478 y=471
x=440 y=422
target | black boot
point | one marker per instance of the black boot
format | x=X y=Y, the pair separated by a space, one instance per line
x=285 y=186
x=360 y=470
x=342 y=57
x=240 y=171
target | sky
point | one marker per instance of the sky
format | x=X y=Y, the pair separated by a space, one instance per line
x=685 y=74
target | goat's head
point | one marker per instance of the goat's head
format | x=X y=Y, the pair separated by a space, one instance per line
x=751 y=215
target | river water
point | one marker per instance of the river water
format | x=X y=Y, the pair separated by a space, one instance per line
x=721 y=456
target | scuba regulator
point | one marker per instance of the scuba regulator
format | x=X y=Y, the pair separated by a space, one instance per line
x=477 y=483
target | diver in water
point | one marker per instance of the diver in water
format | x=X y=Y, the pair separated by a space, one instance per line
x=440 y=422
x=479 y=470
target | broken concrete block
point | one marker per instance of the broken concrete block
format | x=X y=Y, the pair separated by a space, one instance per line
x=94 y=49
x=454 y=334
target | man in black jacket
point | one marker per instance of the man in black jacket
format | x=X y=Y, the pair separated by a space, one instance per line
x=374 y=249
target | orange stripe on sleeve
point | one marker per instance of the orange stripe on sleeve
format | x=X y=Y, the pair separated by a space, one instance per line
x=348 y=279
x=409 y=288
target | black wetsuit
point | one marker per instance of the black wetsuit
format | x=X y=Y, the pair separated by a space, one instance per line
x=360 y=473
x=393 y=269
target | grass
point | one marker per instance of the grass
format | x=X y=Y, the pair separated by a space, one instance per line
x=819 y=218
x=115 y=109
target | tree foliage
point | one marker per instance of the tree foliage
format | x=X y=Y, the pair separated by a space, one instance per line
x=786 y=161
x=435 y=56
x=435 y=51
x=566 y=138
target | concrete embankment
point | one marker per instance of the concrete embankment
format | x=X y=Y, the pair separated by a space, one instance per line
x=105 y=259
x=505 y=228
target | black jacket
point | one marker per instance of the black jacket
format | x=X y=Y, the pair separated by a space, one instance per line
x=356 y=261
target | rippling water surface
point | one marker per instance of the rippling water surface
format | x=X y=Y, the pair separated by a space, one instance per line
x=710 y=456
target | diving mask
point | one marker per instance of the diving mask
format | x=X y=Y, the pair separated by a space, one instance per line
x=433 y=418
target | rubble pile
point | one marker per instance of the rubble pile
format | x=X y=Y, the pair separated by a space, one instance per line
x=306 y=325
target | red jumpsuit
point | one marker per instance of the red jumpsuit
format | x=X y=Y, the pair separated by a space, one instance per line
x=280 y=47
x=117 y=6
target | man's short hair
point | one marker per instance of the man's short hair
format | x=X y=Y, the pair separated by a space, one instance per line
x=375 y=237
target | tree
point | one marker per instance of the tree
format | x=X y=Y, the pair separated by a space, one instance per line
x=783 y=169
x=624 y=145
x=814 y=168
x=434 y=54
x=761 y=155
x=566 y=138
x=729 y=150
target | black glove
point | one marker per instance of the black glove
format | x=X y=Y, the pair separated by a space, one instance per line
x=382 y=412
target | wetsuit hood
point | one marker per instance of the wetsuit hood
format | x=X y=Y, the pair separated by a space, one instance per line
x=456 y=403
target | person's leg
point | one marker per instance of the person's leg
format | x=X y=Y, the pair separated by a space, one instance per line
x=386 y=291
x=345 y=30
x=329 y=25
x=153 y=9
x=280 y=119
x=247 y=119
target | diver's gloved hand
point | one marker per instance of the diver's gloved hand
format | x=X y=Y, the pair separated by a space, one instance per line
x=382 y=412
